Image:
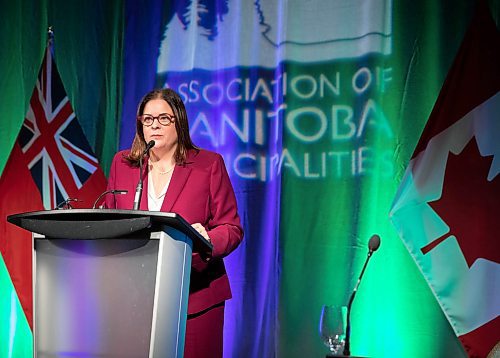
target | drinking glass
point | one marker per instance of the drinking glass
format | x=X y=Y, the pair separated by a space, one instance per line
x=332 y=328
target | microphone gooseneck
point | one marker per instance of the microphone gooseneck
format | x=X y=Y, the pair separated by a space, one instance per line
x=66 y=204
x=138 y=189
x=112 y=191
x=373 y=245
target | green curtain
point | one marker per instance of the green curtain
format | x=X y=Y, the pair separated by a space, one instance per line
x=88 y=46
x=22 y=42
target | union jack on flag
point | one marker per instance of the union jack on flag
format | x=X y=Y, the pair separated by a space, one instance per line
x=56 y=150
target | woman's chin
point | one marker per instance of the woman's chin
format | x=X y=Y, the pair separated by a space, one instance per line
x=162 y=147
x=159 y=142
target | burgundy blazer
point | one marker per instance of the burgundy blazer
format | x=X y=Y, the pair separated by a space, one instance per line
x=199 y=191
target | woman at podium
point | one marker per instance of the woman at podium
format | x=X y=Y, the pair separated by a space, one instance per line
x=192 y=182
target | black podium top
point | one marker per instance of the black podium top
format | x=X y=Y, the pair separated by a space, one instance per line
x=91 y=224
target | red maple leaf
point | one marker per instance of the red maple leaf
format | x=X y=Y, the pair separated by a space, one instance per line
x=469 y=205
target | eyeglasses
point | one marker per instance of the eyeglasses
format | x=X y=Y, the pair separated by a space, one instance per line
x=164 y=119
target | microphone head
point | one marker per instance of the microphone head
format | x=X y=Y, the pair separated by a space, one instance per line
x=149 y=145
x=374 y=243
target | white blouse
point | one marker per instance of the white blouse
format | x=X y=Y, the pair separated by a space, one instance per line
x=156 y=201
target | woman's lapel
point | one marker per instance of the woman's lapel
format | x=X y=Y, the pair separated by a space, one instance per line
x=177 y=183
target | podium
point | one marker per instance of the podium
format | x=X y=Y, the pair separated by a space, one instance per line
x=110 y=283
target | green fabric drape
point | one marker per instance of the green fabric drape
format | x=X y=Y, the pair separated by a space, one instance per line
x=88 y=46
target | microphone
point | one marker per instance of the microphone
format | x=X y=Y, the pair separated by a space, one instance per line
x=66 y=204
x=373 y=245
x=138 y=189
x=150 y=145
x=113 y=191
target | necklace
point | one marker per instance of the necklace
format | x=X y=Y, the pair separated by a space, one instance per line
x=165 y=172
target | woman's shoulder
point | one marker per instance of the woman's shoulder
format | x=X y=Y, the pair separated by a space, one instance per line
x=120 y=158
x=122 y=153
x=202 y=157
x=202 y=154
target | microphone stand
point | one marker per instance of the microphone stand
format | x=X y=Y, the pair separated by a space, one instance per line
x=373 y=245
x=138 y=189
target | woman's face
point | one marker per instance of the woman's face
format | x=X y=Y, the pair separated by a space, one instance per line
x=165 y=137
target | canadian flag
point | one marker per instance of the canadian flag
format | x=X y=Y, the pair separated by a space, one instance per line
x=447 y=207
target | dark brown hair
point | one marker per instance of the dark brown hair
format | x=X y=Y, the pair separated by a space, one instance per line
x=184 y=142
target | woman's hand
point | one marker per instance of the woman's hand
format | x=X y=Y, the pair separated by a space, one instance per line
x=198 y=227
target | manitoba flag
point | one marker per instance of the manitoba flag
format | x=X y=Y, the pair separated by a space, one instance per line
x=51 y=161
x=447 y=209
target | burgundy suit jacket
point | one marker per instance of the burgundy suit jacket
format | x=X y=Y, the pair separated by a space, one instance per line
x=199 y=191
